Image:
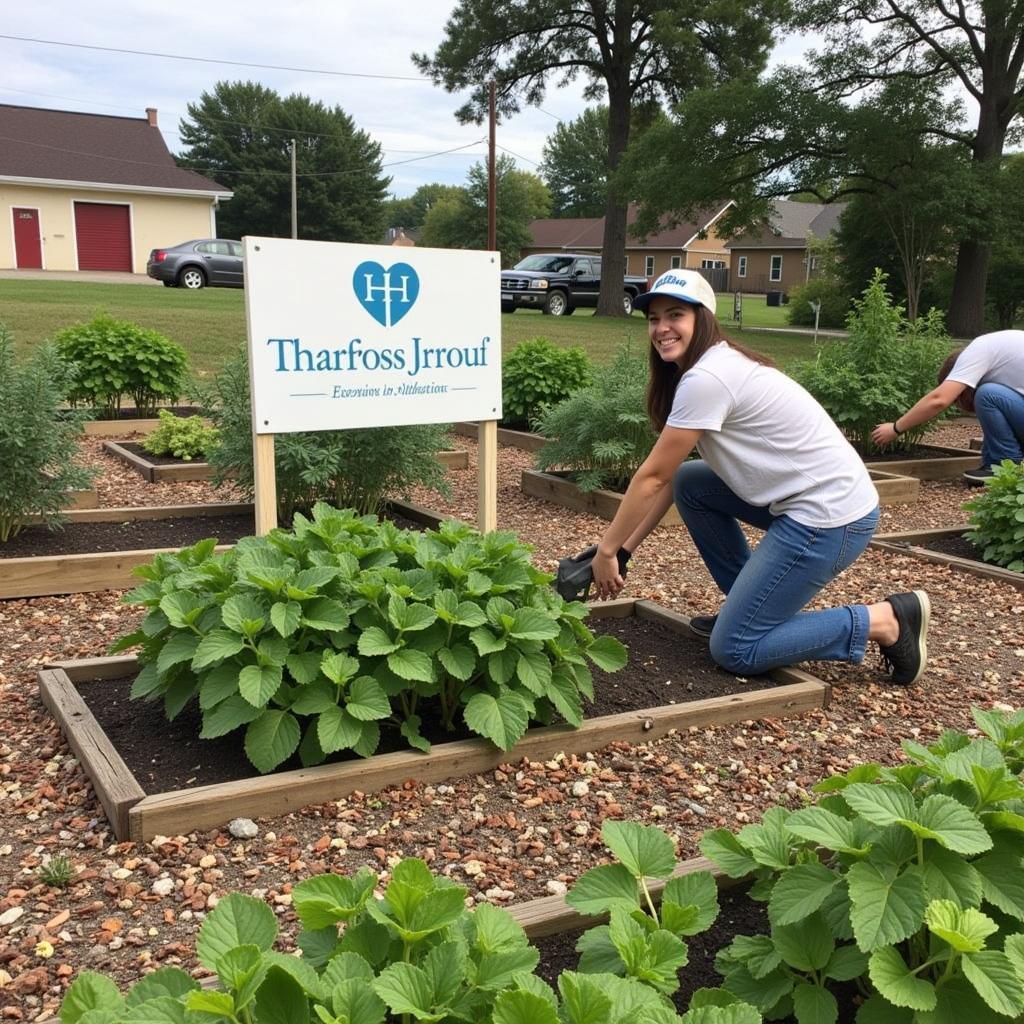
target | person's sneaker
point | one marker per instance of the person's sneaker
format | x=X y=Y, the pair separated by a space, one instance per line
x=979 y=477
x=906 y=658
x=702 y=625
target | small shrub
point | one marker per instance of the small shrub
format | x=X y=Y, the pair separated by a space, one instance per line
x=346 y=468
x=56 y=872
x=834 y=299
x=326 y=633
x=601 y=433
x=115 y=358
x=37 y=438
x=997 y=517
x=537 y=374
x=184 y=437
x=878 y=372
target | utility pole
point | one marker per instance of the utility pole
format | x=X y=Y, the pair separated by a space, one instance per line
x=492 y=191
x=295 y=201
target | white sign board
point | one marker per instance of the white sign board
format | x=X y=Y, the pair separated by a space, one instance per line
x=344 y=336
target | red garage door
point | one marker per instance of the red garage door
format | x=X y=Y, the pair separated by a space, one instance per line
x=103 y=233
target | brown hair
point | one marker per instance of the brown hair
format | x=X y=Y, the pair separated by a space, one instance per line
x=965 y=400
x=664 y=376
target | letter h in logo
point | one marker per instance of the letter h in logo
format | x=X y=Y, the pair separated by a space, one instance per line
x=387 y=295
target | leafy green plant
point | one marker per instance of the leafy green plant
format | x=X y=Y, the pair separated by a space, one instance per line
x=997 y=517
x=184 y=437
x=880 y=370
x=56 y=871
x=537 y=374
x=416 y=954
x=830 y=292
x=601 y=433
x=344 y=623
x=348 y=468
x=115 y=358
x=38 y=440
x=906 y=880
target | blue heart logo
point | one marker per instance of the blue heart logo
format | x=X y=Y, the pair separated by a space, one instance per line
x=387 y=295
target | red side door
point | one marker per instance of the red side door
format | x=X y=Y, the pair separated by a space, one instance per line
x=28 y=249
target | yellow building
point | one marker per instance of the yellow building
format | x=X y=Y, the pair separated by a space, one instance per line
x=94 y=192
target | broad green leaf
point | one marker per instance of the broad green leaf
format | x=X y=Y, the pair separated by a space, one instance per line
x=458 y=660
x=486 y=642
x=734 y=1013
x=884 y=804
x=769 y=842
x=407 y=989
x=285 y=616
x=182 y=608
x=445 y=966
x=965 y=930
x=167 y=981
x=878 y=1010
x=533 y=624
x=240 y=971
x=218 y=684
x=304 y=667
x=315 y=698
x=346 y=966
x=366 y=700
x=338 y=667
x=146 y=682
x=765 y=993
x=497 y=929
x=374 y=641
x=522 y=1007
x=721 y=846
x=1002 y=879
x=496 y=971
x=410 y=729
x=89 y=991
x=237 y=920
x=257 y=685
x=409 y=663
x=608 y=653
x=271 y=739
x=947 y=876
x=243 y=615
x=325 y=613
x=502 y=720
x=813 y=1004
x=886 y=907
x=501 y=665
x=696 y=891
x=757 y=953
x=214 y=647
x=534 y=671
x=210 y=1005
x=823 y=828
x=600 y=889
x=953 y=825
x=799 y=892
x=846 y=963
x=280 y=999
x=583 y=1002
x=1013 y=947
x=327 y=899
x=299 y=968
x=161 y=1010
x=898 y=983
x=228 y=715
x=470 y=615
x=993 y=977
x=565 y=696
x=356 y=1002
x=336 y=729
x=807 y=945
x=179 y=647
x=644 y=850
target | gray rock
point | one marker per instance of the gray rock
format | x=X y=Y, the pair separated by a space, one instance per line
x=243 y=828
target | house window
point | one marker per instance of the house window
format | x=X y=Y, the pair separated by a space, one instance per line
x=741 y=267
x=775 y=274
x=712 y=264
x=648 y=266
x=676 y=262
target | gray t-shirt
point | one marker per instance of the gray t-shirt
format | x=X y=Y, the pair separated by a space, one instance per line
x=996 y=358
x=770 y=441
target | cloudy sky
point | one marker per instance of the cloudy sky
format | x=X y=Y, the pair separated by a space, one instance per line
x=412 y=119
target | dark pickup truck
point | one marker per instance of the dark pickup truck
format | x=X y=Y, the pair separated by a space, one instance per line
x=559 y=283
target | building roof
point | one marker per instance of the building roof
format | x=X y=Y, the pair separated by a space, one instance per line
x=790 y=226
x=564 y=233
x=63 y=145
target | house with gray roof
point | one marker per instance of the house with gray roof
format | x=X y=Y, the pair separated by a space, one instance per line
x=94 y=192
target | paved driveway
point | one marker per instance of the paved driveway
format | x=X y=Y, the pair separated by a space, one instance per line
x=94 y=276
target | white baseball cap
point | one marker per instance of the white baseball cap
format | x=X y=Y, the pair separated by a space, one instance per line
x=686 y=285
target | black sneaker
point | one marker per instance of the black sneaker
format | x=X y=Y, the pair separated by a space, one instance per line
x=906 y=658
x=978 y=477
x=702 y=625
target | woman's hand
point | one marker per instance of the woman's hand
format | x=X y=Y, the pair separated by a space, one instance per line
x=884 y=433
x=608 y=581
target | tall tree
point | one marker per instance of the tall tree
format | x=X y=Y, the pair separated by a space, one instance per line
x=411 y=211
x=575 y=165
x=1006 y=287
x=240 y=134
x=629 y=52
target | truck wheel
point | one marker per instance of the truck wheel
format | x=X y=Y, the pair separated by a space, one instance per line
x=627 y=303
x=556 y=304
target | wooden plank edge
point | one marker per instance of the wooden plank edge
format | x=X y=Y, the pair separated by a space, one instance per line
x=135 y=513
x=564 y=493
x=968 y=565
x=521 y=439
x=115 y=786
x=185 y=472
x=909 y=536
x=140 y=465
x=457 y=459
x=418 y=513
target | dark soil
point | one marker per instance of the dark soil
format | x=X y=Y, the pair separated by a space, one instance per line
x=954 y=544
x=738 y=915
x=77 y=538
x=913 y=452
x=664 y=667
x=135 y=447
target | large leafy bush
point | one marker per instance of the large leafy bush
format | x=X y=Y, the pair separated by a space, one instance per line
x=416 y=953
x=184 y=437
x=312 y=638
x=115 y=358
x=879 y=371
x=997 y=517
x=537 y=374
x=908 y=880
x=601 y=433
x=829 y=291
x=348 y=468
x=37 y=438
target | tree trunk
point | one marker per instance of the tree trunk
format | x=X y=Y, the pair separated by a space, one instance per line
x=613 y=245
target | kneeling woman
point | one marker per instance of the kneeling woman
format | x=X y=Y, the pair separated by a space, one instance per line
x=773 y=458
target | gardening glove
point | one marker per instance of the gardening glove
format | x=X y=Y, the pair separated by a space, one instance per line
x=575 y=575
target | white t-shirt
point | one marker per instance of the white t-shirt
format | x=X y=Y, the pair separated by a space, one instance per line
x=770 y=441
x=996 y=358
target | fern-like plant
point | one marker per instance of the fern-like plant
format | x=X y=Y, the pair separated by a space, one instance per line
x=997 y=517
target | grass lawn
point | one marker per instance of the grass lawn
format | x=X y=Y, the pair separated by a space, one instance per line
x=210 y=324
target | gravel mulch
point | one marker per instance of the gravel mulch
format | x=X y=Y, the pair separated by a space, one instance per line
x=527 y=829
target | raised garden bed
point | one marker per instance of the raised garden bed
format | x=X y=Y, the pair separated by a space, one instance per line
x=85 y=497
x=927 y=462
x=557 y=488
x=162 y=468
x=129 y=422
x=520 y=439
x=98 y=548
x=138 y=810
x=946 y=546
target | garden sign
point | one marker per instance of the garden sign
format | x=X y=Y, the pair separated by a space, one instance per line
x=344 y=336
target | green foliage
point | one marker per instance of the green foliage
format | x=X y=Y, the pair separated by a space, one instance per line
x=601 y=433
x=325 y=633
x=56 y=871
x=184 y=437
x=347 y=468
x=409 y=213
x=37 y=438
x=575 y=165
x=537 y=374
x=997 y=517
x=834 y=299
x=878 y=372
x=115 y=358
x=415 y=954
x=907 y=880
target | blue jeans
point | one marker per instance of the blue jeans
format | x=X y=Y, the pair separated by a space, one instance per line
x=1000 y=412
x=762 y=625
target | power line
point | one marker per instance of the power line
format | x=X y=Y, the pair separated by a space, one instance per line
x=216 y=60
x=519 y=156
